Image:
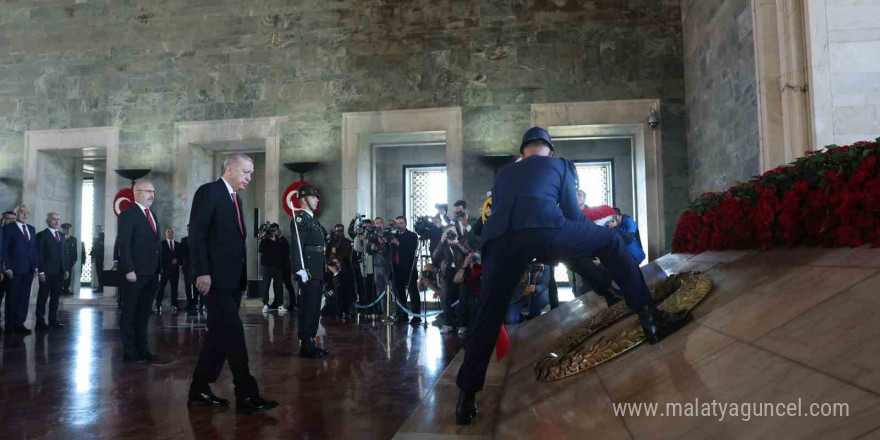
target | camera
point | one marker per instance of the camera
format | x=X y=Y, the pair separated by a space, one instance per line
x=426 y=274
x=458 y=215
x=475 y=260
x=265 y=230
x=423 y=226
x=450 y=235
x=360 y=226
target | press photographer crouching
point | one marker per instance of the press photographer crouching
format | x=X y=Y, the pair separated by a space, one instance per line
x=275 y=251
x=403 y=258
x=532 y=294
x=468 y=279
x=449 y=257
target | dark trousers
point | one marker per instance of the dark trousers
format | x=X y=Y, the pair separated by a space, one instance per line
x=6 y=292
x=406 y=280
x=310 y=308
x=18 y=298
x=451 y=294
x=67 y=286
x=189 y=290
x=599 y=280
x=99 y=268
x=273 y=274
x=138 y=297
x=173 y=277
x=507 y=257
x=288 y=284
x=50 y=290
x=224 y=342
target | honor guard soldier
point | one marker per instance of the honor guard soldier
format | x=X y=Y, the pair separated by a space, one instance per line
x=535 y=215
x=309 y=264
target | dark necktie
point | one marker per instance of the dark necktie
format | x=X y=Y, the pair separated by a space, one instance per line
x=25 y=232
x=57 y=239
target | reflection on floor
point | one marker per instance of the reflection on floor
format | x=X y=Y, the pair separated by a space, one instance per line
x=780 y=327
x=71 y=383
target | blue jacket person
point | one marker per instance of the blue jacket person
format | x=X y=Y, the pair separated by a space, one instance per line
x=535 y=215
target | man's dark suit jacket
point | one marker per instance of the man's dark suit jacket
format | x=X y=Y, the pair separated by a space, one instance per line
x=137 y=244
x=19 y=255
x=183 y=253
x=53 y=254
x=168 y=256
x=409 y=241
x=519 y=201
x=216 y=246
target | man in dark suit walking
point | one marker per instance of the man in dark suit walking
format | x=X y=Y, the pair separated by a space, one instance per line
x=5 y=282
x=71 y=251
x=22 y=261
x=170 y=270
x=218 y=258
x=52 y=246
x=97 y=254
x=139 y=260
x=535 y=215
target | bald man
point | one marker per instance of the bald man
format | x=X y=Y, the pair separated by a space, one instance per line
x=138 y=242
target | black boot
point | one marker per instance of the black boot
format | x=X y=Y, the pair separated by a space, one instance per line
x=466 y=410
x=658 y=324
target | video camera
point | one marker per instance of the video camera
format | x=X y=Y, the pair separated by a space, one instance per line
x=374 y=234
x=265 y=230
x=423 y=227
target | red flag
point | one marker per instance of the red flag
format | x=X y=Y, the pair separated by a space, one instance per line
x=502 y=344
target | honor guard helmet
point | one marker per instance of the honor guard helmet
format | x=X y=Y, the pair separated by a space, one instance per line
x=536 y=134
x=305 y=191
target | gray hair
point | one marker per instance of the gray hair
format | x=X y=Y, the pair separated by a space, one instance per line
x=235 y=159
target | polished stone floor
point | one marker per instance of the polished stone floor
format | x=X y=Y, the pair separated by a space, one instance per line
x=71 y=383
x=778 y=326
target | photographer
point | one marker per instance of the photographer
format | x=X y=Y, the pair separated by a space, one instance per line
x=275 y=250
x=442 y=215
x=403 y=256
x=449 y=257
x=532 y=292
x=431 y=229
x=468 y=281
x=362 y=261
x=339 y=264
x=428 y=280
x=378 y=249
x=629 y=230
x=464 y=225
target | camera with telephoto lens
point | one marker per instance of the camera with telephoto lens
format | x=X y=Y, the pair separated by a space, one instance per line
x=450 y=235
x=458 y=215
x=361 y=225
x=423 y=226
x=427 y=274
x=265 y=230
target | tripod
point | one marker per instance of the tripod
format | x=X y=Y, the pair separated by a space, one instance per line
x=423 y=252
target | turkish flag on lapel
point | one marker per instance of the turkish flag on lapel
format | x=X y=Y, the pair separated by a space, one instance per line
x=502 y=344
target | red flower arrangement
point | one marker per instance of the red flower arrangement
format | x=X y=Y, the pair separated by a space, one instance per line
x=827 y=198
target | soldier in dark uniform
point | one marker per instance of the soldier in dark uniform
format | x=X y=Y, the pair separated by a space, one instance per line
x=309 y=265
x=535 y=215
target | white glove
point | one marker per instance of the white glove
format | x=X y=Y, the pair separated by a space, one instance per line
x=303 y=275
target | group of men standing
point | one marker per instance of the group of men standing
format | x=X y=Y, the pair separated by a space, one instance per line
x=25 y=254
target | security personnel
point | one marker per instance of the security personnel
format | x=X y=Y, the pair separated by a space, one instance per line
x=309 y=263
x=535 y=215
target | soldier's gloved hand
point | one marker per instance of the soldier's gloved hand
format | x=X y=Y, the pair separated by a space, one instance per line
x=303 y=275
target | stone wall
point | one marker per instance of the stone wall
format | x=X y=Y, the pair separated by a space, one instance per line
x=722 y=111
x=145 y=65
x=389 y=174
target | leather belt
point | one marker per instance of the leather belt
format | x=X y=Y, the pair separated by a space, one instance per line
x=313 y=248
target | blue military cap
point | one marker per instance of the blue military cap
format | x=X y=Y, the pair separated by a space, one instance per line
x=536 y=134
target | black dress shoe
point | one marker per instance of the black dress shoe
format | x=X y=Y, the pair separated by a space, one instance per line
x=206 y=398
x=23 y=330
x=149 y=357
x=658 y=324
x=312 y=352
x=254 y=405
x=466 y=410
x=56 y=325
x=133 y=360
x=41 y=326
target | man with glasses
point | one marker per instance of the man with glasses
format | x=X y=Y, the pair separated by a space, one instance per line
x=138 y=241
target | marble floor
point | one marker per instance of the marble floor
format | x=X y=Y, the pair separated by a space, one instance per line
x=71 y=383
x=781 y=326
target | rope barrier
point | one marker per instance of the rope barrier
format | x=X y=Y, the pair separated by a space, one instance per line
x=358 y=306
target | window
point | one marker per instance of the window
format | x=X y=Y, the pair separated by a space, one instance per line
x=425 y=187
x=596 y=179
x=88 y=208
